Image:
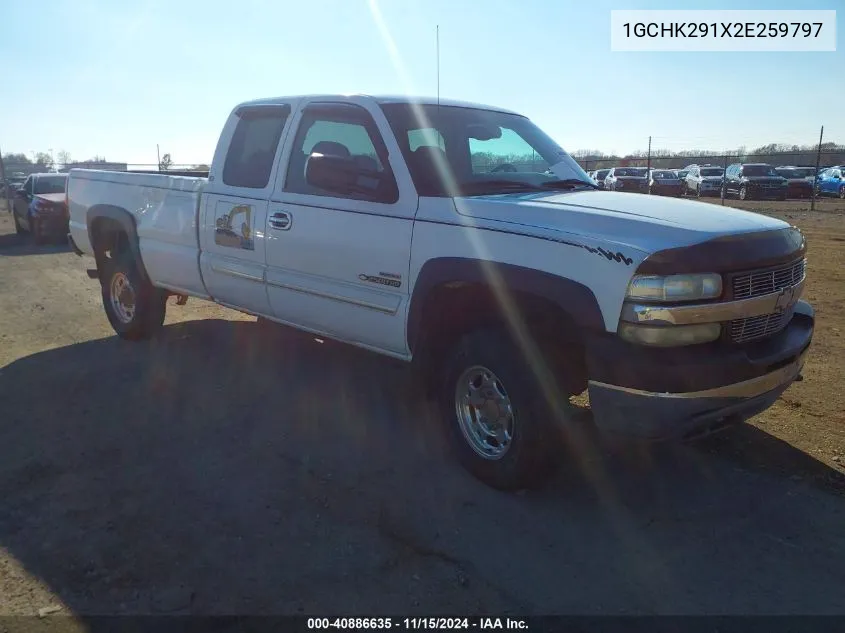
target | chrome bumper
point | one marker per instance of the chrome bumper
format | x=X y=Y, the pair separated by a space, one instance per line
x=659 y=416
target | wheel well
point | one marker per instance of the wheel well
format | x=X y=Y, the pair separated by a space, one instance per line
x=451 y=310
x=108 y=237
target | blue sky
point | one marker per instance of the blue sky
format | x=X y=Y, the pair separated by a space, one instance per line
x=115 y=78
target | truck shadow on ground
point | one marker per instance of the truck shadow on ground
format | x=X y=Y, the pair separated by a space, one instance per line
x=12 y=245
x=238 y=468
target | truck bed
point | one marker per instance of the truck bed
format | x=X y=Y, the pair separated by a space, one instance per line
x=165 y=209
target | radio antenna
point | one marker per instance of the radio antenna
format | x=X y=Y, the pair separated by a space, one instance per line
x=438 y=63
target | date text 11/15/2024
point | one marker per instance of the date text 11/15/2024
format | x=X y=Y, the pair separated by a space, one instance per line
x=418 y=623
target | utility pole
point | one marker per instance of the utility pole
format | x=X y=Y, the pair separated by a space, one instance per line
x=648 y=167
x=816 y=175
x=158 y=155
x=724 y=180
x=5 y=184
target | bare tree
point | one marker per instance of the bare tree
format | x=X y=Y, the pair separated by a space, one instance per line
x=165 y=163
x=43 y=161
x=64 y=158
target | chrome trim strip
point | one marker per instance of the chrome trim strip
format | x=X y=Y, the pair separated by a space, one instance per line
x=237 y=273
x=746 y=389
x=774 y=302
x=329 y=295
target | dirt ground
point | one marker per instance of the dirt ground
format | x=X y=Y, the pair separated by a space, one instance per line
x=227 y=468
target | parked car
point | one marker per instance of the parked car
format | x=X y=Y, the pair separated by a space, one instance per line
x=682 y=175
x=40 y=207
x=344 y=217
x=831 y=182
x=600 y=175
x=630 y=179
x=754 y=181
x=799 y=180
x=664 y=182
x=704 y=180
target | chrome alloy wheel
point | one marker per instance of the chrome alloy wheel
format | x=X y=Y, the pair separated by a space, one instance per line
x=122 y=297
x=484 y=411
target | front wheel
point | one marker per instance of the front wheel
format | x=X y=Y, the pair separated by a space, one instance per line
x=842 y=192
x=135 y=308
x=743 y=193
x=499 y=421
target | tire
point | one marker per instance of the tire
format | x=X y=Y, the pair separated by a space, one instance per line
x=782 y=198
x=150 y=304
x=842 y=192
x=527 y=460
x=743 y=193
x=698 y=191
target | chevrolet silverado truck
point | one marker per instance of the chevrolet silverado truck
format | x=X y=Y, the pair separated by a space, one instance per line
x=404 y=226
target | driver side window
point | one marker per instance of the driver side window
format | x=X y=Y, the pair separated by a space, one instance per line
x=508 y=153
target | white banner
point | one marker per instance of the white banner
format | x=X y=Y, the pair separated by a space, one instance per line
x=728 y=30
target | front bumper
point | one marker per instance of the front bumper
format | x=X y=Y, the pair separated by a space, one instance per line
x=674 y=393
x=51 y=224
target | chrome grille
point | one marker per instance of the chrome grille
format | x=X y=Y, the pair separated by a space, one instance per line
x=763 y=282
x=742 y=330
x=758 y=283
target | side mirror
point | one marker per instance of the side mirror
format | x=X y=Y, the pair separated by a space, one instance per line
x=340 y=174
x=21 y=193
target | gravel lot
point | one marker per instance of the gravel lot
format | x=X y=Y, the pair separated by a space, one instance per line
x=230 y=468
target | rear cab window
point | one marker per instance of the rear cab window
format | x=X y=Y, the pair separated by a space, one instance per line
x=252 y=150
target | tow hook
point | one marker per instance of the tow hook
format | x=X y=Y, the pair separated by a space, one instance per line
x=181 y=300
x=799 y=377
x=93 y=273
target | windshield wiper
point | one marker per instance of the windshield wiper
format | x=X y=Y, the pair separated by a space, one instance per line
x=568 y=183
x=506 y=186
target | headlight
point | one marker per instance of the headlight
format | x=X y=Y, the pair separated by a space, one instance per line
x=675 y=287
x=669 y=336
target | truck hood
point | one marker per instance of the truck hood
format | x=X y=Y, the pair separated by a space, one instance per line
x=51 y=197
x=647 y=223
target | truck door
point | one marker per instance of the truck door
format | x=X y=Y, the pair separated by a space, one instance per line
x=234 y=213
x=338 y=263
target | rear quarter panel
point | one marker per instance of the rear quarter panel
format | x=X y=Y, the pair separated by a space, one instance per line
x=164 y=209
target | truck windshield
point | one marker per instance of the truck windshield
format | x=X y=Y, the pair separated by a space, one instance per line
x=664 y=175
x=50 y=184
x=758 y=170
x=711 y=171
x=454 y=151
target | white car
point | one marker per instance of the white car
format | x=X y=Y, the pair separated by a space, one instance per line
x=704 y=180
x=496 y=269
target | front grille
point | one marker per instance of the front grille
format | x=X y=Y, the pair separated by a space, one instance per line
x=743 y=330
x=757 y=283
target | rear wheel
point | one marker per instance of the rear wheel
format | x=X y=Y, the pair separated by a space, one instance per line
x=500 y=423
x=134 y=307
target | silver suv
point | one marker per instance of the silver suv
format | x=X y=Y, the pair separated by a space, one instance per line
x=705 y=180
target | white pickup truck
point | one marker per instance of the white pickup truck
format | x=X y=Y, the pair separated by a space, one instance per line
x=464 y=240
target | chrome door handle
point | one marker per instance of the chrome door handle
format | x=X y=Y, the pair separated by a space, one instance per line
x=281 y=220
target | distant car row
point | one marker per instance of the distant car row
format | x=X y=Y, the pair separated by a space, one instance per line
x=746 y=181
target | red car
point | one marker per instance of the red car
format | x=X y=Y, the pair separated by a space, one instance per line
x=41 y=208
